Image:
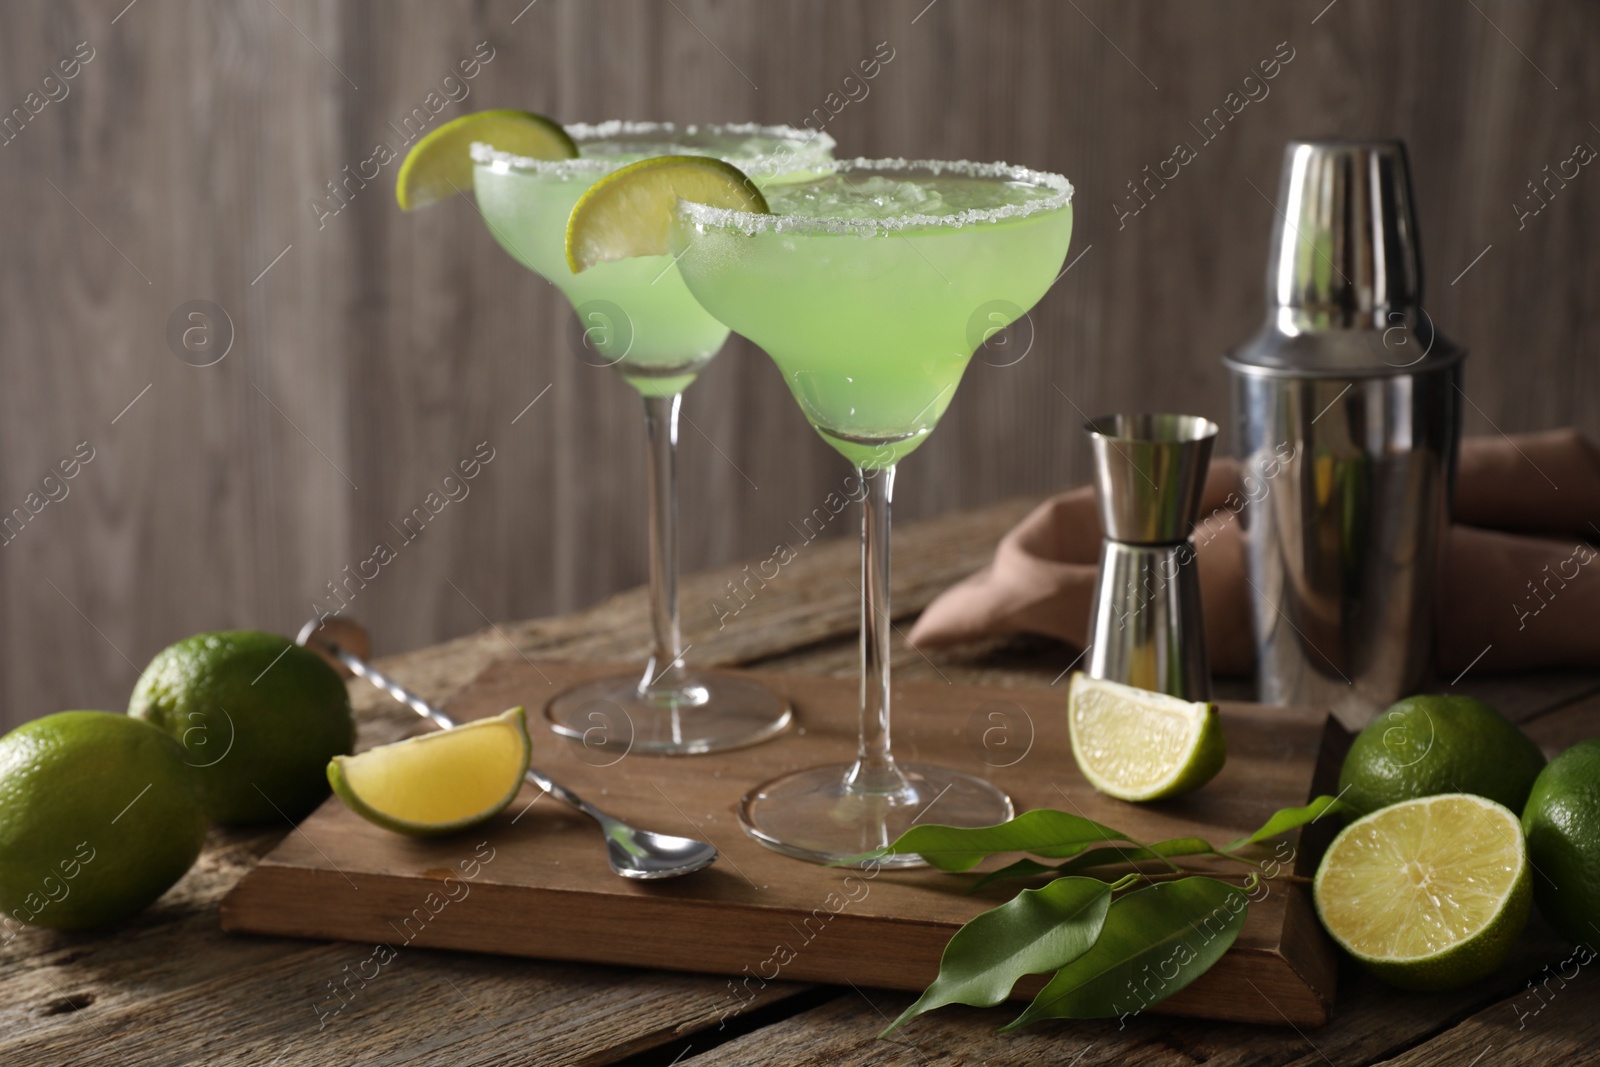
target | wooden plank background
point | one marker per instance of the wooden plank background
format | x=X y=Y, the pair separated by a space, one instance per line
x=369 y=355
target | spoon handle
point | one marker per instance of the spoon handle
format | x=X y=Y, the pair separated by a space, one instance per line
x=361 y=669
x=563 y=794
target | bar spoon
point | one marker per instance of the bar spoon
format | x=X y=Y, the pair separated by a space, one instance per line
x=633 y=853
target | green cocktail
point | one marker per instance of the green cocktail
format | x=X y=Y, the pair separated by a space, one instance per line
x=636 y=315
x=871 y=287
x=871 y=292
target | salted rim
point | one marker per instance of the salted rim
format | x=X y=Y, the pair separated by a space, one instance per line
x=813 y=148
x=750 y=223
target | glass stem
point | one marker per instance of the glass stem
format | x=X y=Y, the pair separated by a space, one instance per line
x=875 y=771
x=664 y=676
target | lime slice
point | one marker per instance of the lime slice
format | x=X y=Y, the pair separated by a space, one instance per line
x=1428 y=894
x=440 y=165
x=629 y=211
x=439 y=782
x=1137 y=745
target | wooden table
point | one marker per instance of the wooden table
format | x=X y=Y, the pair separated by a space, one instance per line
x=171 y=988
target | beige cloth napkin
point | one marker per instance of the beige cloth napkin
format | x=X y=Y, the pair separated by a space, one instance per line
x=1515 y=569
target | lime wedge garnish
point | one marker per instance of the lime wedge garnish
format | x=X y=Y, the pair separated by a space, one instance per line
x=438 y=782
x=1427 y=894
x=1137 y=745
x=440 y=165
x=629 y=211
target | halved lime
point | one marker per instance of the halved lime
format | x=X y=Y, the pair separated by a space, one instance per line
x=629 y=211
x=439 y=782
x=1427 y=894
x=1137 y=745
x=440 y=165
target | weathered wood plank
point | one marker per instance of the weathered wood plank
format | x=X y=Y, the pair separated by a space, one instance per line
x=422 y=1006
x=171 y=987
x=1371 y=1022
x=178 y=947
x=1556 y=1019
x=1525 y=697
x=182 y=927
x=1566 y=726
x=338 y=877
x=1538 y=1009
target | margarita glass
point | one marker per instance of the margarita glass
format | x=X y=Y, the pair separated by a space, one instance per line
x=870 y=287
x=637 y=316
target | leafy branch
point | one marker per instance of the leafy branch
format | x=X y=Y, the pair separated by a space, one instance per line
x=1115 y=946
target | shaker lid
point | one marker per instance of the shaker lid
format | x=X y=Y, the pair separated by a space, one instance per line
x=1344 y=271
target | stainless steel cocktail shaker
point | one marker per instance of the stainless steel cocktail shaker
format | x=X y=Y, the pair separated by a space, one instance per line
x=1347 y=411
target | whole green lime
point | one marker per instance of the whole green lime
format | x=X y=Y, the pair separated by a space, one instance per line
x=1427 y=745
x=1562 y=821
x=258 y=717
x=98 y=817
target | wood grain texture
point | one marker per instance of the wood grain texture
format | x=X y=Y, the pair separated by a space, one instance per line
x=758 y=915
x=171 y=988
x=90 y=998
x=1371 y=1025
x=381 y=348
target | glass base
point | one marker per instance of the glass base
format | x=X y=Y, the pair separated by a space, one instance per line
x=708 y=713
x=811 y=815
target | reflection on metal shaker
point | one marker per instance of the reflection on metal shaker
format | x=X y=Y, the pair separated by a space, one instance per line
x=1349 y=377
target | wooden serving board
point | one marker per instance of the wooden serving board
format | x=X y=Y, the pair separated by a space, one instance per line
x=534 y=882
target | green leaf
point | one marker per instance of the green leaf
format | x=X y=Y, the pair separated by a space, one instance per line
x=1159 y=850
x=1105 y=856
x=1023 y=868
x=1043 y=832
x=1291 y=818
x=1036 y=931
x=1154 y=942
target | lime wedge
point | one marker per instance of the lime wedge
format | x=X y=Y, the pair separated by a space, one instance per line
x=440 y=165
x=439 y=782
x=1428 y=894
x=629 y=211
x=1137 y=745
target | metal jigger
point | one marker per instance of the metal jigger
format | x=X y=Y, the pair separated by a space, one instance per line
x=1145 y=626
